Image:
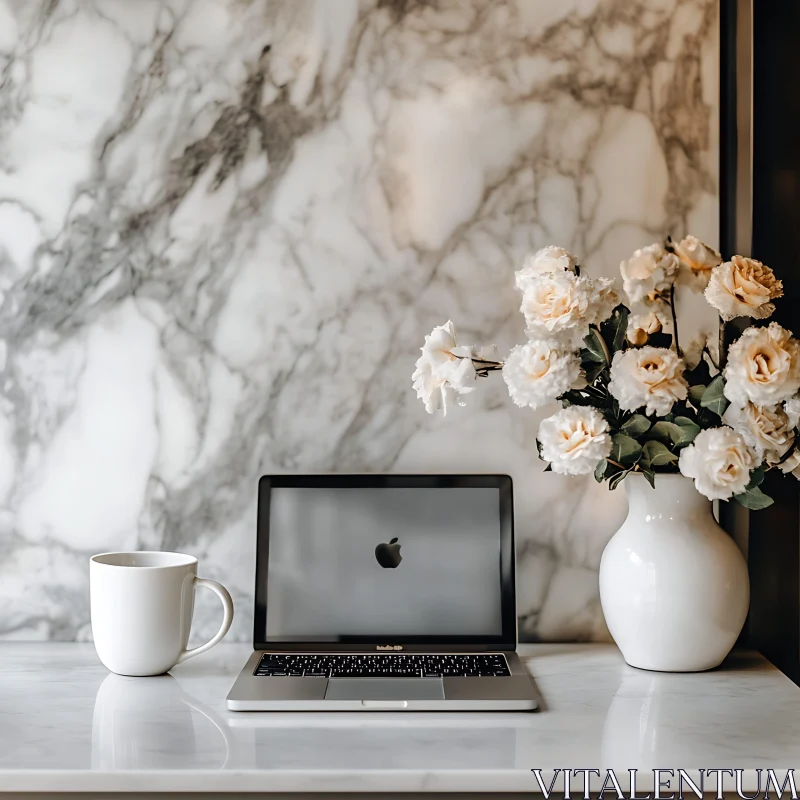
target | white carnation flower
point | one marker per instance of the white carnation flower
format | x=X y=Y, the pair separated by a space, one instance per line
x=719 y=461
x=548 y=259
x=556 y=305
x=562 y=305
x=574 y=440
x=604 y=299
x=763 y=367
x=766 y=430
x=792 y=409
x=697 y=260
x=444 y=369
x=792 y=465
x=647 y=272
x=539 y=371
x=743 y=287
x=647 y=376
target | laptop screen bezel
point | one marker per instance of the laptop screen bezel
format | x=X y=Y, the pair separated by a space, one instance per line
x=506 y=640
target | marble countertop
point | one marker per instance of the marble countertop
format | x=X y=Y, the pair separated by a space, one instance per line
x=66 y=724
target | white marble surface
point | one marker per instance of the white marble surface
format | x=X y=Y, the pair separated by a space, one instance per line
x=66 y=724
x=225 y=228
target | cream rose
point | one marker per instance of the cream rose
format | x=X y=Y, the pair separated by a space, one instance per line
x=641 y=324
x=647 y=376
x=766 y=430
x=574 y=440
x=743 y=287
x=548 y=259
x=538 y=372
x=697 y=260
x=763 y=367
x=647 y=272
x=444 y=370
x=719 y=461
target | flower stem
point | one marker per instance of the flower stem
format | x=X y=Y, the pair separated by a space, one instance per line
x=674 y=321
x=483 y=366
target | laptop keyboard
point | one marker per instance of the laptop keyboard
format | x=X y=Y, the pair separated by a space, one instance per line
x=383 y=665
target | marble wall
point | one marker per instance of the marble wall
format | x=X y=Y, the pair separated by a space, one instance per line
x=226 y=226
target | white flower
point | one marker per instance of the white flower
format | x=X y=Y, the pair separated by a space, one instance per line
x=763 y=367
x=766 y=430
x=697 y=260
x=539 y=371
x=792 y=465
x=604 y=299
x=443 y=370
x=556 y=305
x=548 y=259
x=703 y=347
x=647 y=272
x=574 y=440
x=720 y=461
x=647 y=376
x=792 y=409
x=641 y=324
x=562 y=305
x=743 y=287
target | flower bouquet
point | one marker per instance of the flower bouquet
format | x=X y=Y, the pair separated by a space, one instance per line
x=632 y=400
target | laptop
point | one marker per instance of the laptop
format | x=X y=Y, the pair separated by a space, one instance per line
x=384 y=593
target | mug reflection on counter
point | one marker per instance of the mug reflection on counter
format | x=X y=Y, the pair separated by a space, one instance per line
x=151 y=723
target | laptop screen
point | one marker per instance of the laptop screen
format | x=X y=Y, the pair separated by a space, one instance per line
x=383 y=563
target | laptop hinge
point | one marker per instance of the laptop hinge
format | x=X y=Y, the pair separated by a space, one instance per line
x=347 y=647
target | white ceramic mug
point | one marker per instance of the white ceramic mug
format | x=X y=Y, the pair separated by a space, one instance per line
x=142 y=606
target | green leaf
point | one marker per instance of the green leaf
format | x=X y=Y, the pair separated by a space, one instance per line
x=679 y=432
x=617 y=479
x=594 y=350
x=714 y=398
x=649 y=474
x=689 y=430
x=624 y=449
x=615 y=328
x=696 y=394
x=600 y=470
x=756 y=478
x=656 y=454
x=754 y=499
x=548 y=468
x=636 y=425
x=575 y=397
x=666 y=431
x=592 y=371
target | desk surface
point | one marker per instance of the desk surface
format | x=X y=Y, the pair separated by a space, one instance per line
x=66 y=724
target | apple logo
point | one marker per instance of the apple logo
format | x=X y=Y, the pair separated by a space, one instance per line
x=388 y=555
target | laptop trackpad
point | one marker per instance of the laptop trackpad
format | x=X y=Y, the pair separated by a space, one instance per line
x=385 y=689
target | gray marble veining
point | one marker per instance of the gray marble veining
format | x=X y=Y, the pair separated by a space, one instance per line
x=225 y=228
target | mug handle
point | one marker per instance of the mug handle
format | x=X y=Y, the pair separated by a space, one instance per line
x=227 y=605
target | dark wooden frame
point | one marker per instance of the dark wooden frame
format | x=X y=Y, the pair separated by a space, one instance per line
x=760 y=72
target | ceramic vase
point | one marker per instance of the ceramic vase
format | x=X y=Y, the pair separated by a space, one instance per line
x=673 y=585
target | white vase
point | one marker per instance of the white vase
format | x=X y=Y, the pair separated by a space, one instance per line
x=673 y=584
